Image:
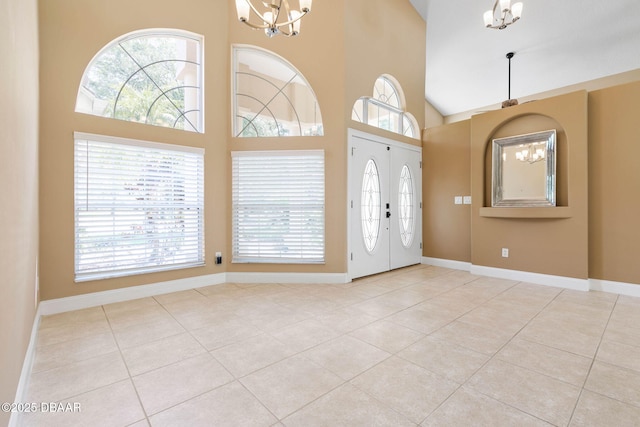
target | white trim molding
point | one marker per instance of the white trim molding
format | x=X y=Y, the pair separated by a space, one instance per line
x=94 y=299
x=629 y=289
x=447 y=263
x=306 y=278
x=537 y=278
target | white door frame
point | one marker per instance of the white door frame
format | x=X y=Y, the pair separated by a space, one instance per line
x=354 y=133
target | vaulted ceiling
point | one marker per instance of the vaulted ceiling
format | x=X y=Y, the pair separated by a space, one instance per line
x=557 y=43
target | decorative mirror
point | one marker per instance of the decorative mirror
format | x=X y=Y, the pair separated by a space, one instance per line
x=524 y=170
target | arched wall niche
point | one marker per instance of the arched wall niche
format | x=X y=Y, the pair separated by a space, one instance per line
x=521 y=125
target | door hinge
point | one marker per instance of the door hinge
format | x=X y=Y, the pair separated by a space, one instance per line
x=351 y=256
x=352 y=204
x=420 y=245
x=420 y=205
x=420 y=164
x=353 y=149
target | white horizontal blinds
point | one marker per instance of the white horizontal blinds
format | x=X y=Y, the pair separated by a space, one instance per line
x=139 y=207
x=278 y=206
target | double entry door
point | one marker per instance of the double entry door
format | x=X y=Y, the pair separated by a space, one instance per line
x=385 y=204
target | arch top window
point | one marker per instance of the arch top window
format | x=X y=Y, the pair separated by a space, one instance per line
x=386 y=109
x=271 y=97
x=149 y=76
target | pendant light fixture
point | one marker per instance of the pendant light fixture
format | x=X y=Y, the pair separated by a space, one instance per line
x=502 y=14
x=509 y=102
x=276 y=16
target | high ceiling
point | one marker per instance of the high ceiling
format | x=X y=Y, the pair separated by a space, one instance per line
x=557 y=43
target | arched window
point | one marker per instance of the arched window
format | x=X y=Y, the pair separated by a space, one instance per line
x=150 y=76
x=271 y=97
x=386 y=109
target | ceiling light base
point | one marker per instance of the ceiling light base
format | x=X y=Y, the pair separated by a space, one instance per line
x=509 y=103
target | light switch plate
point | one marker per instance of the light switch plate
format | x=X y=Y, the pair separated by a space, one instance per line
x=457 y=200
x=466 y=200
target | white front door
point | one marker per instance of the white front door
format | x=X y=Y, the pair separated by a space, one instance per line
x=384 y=204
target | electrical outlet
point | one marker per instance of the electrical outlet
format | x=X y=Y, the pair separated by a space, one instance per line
x=457 y=200
x=218 y=257
x=466 y=200
x=505 y=252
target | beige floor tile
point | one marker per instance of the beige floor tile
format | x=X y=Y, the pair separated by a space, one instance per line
x=595 y=410
x=230 y=405
x=219 y=334
x=69 y=331
x=346 y=406
x=290 y=384
x=172 y=297
x=482 y=340
x=381 y=306
x=623 y=355
x=163 y=352
x=145 y=333
x=387 y=336
x=304 y=335
x=444 y=358
x=136 y=305
x=57 y=355
x=536 y=394
x=177 y=383
x=421 y=320
x=113 y=405
x=469 y=408
x=562 y=336
x=623 y=333
x=346 y=356
x=252 y=354
x=615 y=382
x=76 y=378
x=555 y=363
x=489 y=316
x=369 y=289
x=277 y=321
x=345 y=319
x=407 y=388
x=86 y=315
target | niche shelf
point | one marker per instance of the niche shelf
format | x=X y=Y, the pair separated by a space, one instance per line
x=546 y=212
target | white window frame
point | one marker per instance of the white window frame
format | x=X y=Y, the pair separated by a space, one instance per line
x=118 y=215
x=278 y=206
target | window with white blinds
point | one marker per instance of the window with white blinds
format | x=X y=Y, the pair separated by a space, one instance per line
x=139 y=207
x=278 y=206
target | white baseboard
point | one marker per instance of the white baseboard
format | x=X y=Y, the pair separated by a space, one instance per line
x=319 y=278
x=629 y=289
x=447 y=263
x=94 y=299
x=25 y=374
x=537 y=278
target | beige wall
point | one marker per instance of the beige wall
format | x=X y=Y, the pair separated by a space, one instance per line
x=339 y=53
x=446 y=173
x=599 y=238
x=18 y=187
x=614 y=184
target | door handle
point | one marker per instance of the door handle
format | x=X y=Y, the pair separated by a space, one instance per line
x=388 y=214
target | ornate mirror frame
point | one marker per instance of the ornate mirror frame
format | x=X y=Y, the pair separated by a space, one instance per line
x=524 y=170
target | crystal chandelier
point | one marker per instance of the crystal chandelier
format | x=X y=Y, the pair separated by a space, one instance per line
x=502 y=14
x=278 y=18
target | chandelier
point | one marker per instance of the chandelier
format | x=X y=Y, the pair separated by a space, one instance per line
x=278 y=18
x=531 y=153
x=502 y=14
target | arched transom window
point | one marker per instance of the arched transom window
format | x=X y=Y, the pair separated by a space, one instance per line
x=271 y=97
x=386 y=109
x=150 y=76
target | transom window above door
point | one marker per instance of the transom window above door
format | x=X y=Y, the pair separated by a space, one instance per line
x=386 y=109
x=271 y=97
x=151 y=76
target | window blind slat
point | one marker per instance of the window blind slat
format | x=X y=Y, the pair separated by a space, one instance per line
x=139 y=207
x=278 y=206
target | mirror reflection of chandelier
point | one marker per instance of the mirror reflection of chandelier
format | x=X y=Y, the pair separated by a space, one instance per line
x=278 y=18
x=531 y=153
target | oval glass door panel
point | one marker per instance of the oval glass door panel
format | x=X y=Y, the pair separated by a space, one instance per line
x=406 y=207
x=370 y=206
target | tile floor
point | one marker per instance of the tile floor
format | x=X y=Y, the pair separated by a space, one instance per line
x=419 y=346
